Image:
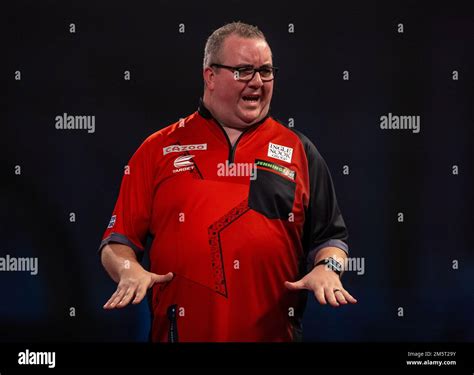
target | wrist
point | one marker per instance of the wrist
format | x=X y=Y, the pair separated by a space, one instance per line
x=331 y=264
x=126 y=266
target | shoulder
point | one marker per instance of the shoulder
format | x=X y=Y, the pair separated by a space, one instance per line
x=170 y=133
x=308 y=145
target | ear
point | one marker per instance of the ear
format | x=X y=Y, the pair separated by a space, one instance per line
x=209 y=77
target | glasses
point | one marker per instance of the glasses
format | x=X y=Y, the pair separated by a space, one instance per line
x=247 y=72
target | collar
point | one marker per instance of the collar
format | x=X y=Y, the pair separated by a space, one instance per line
x=205 y=113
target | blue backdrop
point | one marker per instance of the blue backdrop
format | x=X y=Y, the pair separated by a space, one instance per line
x=423 y=264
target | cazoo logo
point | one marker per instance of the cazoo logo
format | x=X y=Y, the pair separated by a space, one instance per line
x=181 y=148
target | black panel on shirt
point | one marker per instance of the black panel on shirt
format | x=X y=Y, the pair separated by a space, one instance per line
x=272 y=195
x=324 y=221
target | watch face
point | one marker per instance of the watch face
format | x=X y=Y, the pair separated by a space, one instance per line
x=334 y=265
x=331 y=264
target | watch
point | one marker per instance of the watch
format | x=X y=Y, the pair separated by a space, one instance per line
x=331 y=264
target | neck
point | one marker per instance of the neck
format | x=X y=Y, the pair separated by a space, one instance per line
x=232 y=133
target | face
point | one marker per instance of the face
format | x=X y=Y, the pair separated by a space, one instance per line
x=235 y=103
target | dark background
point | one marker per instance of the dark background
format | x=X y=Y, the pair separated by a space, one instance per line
x=407 y=264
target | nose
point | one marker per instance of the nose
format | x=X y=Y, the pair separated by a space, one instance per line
x=256 y=81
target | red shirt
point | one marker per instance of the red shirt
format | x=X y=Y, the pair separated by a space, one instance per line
x=231 y=240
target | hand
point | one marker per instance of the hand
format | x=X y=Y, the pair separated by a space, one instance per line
x=133 y=284
x=323 y=282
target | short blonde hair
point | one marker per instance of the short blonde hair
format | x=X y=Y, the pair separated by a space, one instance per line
x=216 y=39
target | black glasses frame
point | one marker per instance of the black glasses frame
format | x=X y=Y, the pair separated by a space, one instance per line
x=238 y=69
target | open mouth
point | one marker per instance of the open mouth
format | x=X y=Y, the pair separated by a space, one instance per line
x=251 y=98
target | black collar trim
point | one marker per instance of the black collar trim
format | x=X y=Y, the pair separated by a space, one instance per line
x=205 y=113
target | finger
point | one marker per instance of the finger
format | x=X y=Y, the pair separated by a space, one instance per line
x=129 y=294
x=140 y=293
x=109 y=301
x=297 y=285
x=319 y=294
x=160 y=278
x=116 y=297
x=348 y=297
x=340 y=297
x=329 y=293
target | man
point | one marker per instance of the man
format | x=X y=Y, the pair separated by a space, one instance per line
x=228 y=247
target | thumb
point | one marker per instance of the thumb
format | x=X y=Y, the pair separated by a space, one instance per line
x=297 y=285
x=161 y=278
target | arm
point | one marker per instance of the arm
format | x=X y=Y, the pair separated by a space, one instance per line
x=325 y=233
x=133 y=280
x=126 y=233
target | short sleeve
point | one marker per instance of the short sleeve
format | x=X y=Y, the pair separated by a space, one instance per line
x=130 y=221
x=324 y=224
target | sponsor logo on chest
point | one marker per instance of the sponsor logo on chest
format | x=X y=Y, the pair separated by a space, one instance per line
x=280 y=152
x=183 y=163
x=182 y=148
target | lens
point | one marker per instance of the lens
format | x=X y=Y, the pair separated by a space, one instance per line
x=266 y=73
x=245 y=73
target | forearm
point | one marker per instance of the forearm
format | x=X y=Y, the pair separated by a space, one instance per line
x=116 y=258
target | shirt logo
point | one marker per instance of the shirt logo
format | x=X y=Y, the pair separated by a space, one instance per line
x=277 y=168
x=181 y=148
x=280 y=152
x=183 y=161
x=112 y=221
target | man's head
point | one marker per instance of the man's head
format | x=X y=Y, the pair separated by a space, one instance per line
x=233 y=98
